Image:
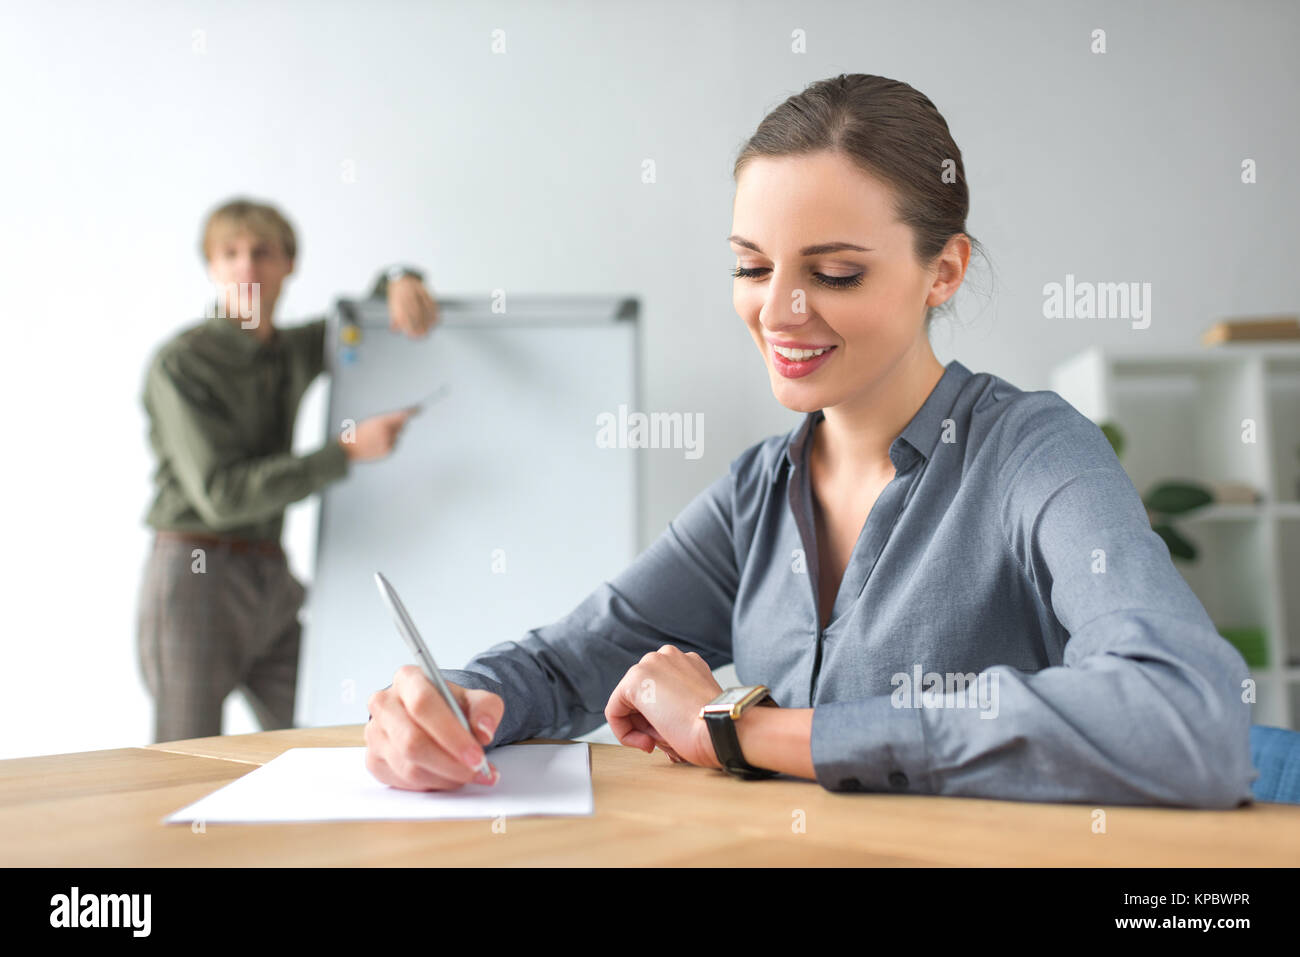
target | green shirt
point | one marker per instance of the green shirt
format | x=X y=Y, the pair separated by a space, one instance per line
x=221 y=408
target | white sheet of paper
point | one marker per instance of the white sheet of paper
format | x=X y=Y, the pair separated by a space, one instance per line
x=332 y=784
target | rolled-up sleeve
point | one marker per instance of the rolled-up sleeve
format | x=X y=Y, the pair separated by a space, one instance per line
x=557 y=679
x=1147 y=707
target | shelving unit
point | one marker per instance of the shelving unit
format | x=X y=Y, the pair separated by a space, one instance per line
x=1182 y=415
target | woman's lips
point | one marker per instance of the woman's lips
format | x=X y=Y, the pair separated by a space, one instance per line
x=792 y=369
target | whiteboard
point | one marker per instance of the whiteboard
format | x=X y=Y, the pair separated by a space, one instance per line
x=496 y=512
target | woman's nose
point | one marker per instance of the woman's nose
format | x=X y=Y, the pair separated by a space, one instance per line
x=786 y=305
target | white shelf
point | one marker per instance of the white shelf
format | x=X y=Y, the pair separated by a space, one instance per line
x=1230 y=513
x=1223 y=413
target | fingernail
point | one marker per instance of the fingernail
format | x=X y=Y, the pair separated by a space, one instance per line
x=486 y=727
x=472 y=757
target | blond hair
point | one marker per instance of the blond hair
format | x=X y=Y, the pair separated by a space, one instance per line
x=243 y=215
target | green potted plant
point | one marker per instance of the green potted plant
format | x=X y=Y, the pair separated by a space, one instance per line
x=1165 y=500
x=1169 y=498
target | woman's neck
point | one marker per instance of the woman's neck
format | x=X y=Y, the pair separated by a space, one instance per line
x=856 y=435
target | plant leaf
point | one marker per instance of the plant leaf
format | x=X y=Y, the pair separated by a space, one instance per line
x=1179 y=547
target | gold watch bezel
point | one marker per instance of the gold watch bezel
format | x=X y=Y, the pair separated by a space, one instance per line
x=736 y=709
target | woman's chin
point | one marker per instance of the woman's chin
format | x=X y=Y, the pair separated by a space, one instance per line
x=797 y=398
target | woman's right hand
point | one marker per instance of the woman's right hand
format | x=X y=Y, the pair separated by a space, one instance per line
x=413 y=741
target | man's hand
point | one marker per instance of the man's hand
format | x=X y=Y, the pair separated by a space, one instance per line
x=410 y=307
x=658 y=702
x=375 y=437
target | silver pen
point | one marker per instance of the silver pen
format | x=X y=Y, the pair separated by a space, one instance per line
x=406 y=628
x=429 y=399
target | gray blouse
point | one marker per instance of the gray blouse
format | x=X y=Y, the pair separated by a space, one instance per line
x=1009 y=625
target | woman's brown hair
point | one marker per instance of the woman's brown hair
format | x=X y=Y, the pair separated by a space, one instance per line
x=890 y=131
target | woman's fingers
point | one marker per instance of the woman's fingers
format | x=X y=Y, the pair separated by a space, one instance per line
x=415 y=736
x=411 y=778
x=676 y=758
x=638 y=739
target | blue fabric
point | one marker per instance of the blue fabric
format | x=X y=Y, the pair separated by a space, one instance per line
x=1276 y=753
x=1008 y=626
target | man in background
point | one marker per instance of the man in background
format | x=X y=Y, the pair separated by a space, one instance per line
x=218 y=606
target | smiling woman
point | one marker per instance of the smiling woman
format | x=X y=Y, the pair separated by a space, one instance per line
x=850 y=231
x=946 y=585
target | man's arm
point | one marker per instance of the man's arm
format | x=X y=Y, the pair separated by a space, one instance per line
x=308 y=338
x=228 y=490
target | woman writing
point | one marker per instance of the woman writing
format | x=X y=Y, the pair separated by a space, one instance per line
x=946 y=585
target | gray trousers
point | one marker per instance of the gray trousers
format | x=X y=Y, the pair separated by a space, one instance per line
x=212 y=620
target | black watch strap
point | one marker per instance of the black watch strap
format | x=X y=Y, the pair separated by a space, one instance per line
x=726 y=745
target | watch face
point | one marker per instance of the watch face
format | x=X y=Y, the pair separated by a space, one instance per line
x=732 y=696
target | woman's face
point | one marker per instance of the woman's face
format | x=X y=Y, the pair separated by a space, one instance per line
x=825 y=265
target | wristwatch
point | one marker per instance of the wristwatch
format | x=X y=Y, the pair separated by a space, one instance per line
x=721 y=715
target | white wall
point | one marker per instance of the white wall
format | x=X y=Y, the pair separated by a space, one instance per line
x=522 y=171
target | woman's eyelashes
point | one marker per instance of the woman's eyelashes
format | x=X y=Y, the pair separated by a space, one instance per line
x=834 y=282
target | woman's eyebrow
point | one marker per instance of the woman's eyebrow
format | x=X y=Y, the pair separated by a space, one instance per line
x=807 y=250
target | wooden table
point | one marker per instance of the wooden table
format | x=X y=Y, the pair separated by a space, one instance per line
x=104 y=809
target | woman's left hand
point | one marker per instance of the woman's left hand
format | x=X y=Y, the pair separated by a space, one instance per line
x=658 y=702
